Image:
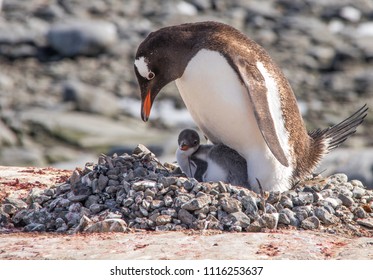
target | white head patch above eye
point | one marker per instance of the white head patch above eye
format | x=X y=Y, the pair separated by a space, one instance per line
x=143 y=69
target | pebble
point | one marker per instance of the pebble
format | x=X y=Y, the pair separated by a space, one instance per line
x=239 y=218
x=346 y=200
x=15 y=202
x=196 y=203
x=360 y=213
x=358 y=192
x=108 y=225
x=163 y=219
x=325 y=217
x=303 y=198
x=288 y=217
x=102 y=199
x=366 y=222
x=82 y=37
x=230 y=205
x=310 y=223
x=186 y=217
x=250 y=205
x=269 y=221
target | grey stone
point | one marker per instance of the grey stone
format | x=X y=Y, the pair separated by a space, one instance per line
x=196 y=203
x=169 y=212
x=7 y=136
x=230 y=205
x=325 y=217
x=102 y=182
x=300 y=213
x=17 y=203
x=92 y=199
x=346 y=200
x=270 y=208
x=212 y=222
x=34 y=194
x=97 y=208
x=358 y=192
x=366 y=222
x=339 y=177
x=304 y=198
x=286 y=202
x=274 y=197
x=78 y=198
x=84 y=223
x=310 y=223
x=155 y=204
x=8 y=208
x=250 y=206
x=167 y=181
x=82 y=37
x=269 y=221
x=359 y=213
x=186 y=217
x=254 y=227
x=239 y=218
x=163 y=219
x=108 y=225
x=283 y=219
x=334 y=202
x=4 y=218
x=34 y=227
x=287 y=216
x=167 y=200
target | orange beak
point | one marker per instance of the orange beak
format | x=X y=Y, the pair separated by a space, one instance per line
x=184 y=147
x=147 y=106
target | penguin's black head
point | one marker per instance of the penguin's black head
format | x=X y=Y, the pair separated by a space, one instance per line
x=188 y=139
x=160 y=59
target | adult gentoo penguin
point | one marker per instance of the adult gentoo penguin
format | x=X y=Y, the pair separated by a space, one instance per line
x=237 y=96
x=210 y=162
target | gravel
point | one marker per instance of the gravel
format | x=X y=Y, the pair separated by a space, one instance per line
x=108 y=197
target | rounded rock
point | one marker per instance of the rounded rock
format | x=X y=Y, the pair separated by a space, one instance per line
x=82 y=37
x=310 y=223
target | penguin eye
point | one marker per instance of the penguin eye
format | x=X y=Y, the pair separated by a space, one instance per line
x=195 y=142
x=151 y=75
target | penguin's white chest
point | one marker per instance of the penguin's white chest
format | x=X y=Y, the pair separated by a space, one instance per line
x=220 y=105
x=217 y=100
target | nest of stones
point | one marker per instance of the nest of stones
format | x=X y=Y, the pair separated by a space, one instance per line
x=129 y=192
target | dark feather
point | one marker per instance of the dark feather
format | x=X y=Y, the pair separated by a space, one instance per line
x=338 y=133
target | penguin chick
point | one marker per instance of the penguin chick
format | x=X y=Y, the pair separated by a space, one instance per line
x=208 y=163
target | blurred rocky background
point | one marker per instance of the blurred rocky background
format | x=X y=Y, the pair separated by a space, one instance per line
x=68 y=91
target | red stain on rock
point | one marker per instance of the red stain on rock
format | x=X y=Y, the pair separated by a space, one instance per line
x=270 y=250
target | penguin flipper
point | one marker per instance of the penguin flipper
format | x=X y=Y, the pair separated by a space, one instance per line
x=201 y=168
x=258 y=93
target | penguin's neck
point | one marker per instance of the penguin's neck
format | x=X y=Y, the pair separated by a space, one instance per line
x=183 y=160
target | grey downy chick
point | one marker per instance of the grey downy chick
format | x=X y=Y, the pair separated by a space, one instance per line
x=208 y=163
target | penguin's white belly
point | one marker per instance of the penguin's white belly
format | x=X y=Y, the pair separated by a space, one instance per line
x=220 y=106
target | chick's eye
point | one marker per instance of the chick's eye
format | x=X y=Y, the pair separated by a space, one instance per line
x=195 y=142
x=151 y=75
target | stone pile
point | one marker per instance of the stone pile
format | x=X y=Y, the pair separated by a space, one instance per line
x=137 y=192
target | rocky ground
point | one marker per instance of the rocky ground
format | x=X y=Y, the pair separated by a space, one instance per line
x=132 y=205
x=68 y=91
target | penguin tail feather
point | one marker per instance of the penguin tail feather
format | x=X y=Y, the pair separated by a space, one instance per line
x=335 y=135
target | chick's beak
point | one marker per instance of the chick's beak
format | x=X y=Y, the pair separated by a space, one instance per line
x=184 y=147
